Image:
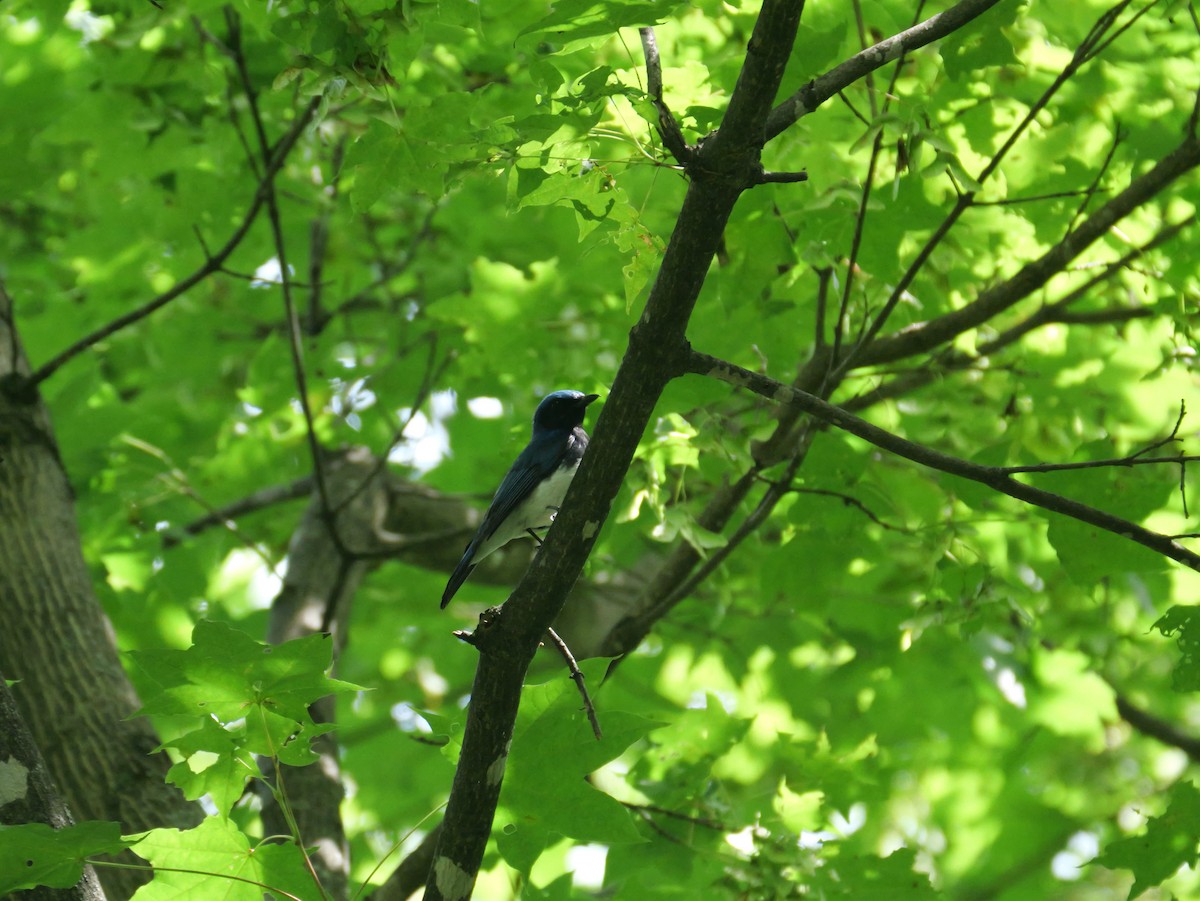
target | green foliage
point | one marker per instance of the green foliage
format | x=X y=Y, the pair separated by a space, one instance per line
x=1183 y=624
x=232 y=698
x=1168 y=843
x=34 y=854
x=216 y=861
x=899 y=684
x=546 y=795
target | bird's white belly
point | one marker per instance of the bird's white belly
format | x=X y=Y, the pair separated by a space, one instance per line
x=535 y=512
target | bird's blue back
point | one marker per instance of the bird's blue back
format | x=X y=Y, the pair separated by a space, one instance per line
x=534 y=484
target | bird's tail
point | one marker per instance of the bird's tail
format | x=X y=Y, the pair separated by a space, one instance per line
x=458 y=576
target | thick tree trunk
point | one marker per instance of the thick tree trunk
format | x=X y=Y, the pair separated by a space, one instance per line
x=327 y=558
x=28 y=796
x=56 y=639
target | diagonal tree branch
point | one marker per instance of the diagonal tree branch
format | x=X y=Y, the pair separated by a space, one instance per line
x=1057 y=312
x=925 y=336
x=821 y=88
x=994 y=477
x=1096 y=40
x=1153 y=727
x=726 y=164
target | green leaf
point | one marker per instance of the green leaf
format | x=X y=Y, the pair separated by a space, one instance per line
x=868 y=878
x=1071 y=699
x=214 y=764
x=379 y=160
x=546 y=791
x=259 y=694
x=1090 y=553
x=579 y=20
x=1168 y=843
x=34 y=854
x=1183 y=624
x=221 y=865
x=981 y=44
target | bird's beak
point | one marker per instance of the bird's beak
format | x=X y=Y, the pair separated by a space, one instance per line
x=587 y=399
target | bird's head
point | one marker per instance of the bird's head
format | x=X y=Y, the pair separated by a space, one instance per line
x=562 y=410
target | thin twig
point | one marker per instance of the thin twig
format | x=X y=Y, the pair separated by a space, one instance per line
x=676 y=815
x=319 y=239
x=387 y=270
x=579 y=681
x=293 y=317
x=668 y=127
x=869 y=77
x=659 y=830
x=775 y=492
x=853 y=109
x=860 y=219
x=428 y=380
x=869 y=182
x=851 y=501
x=259 y=500
x=1092 y=188
x=1114 y=463
x=814 y=93
x=1035 y=198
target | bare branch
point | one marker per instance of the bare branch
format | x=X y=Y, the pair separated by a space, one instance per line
x=1092 y=188
x=860 y=220
x=668 y=127
x=578 y=678
x=1113 y=463
x=851 y=501
x=706 y=822
x=259 y=500
x=319 y=239
x=293 y=317
x=1158 y=729
x=1033 y=198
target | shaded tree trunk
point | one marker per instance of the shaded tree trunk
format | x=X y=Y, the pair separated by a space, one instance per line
x=28 y=796
x=74 y=696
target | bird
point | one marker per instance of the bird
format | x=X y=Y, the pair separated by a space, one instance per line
x=533 y=489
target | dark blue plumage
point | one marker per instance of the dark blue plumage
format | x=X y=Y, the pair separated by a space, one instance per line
x=534 y=487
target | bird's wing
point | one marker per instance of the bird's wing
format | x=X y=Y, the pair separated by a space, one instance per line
x=538 y=461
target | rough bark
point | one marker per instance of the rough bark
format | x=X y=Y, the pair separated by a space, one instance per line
x=56 y=639
x=27 y=795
